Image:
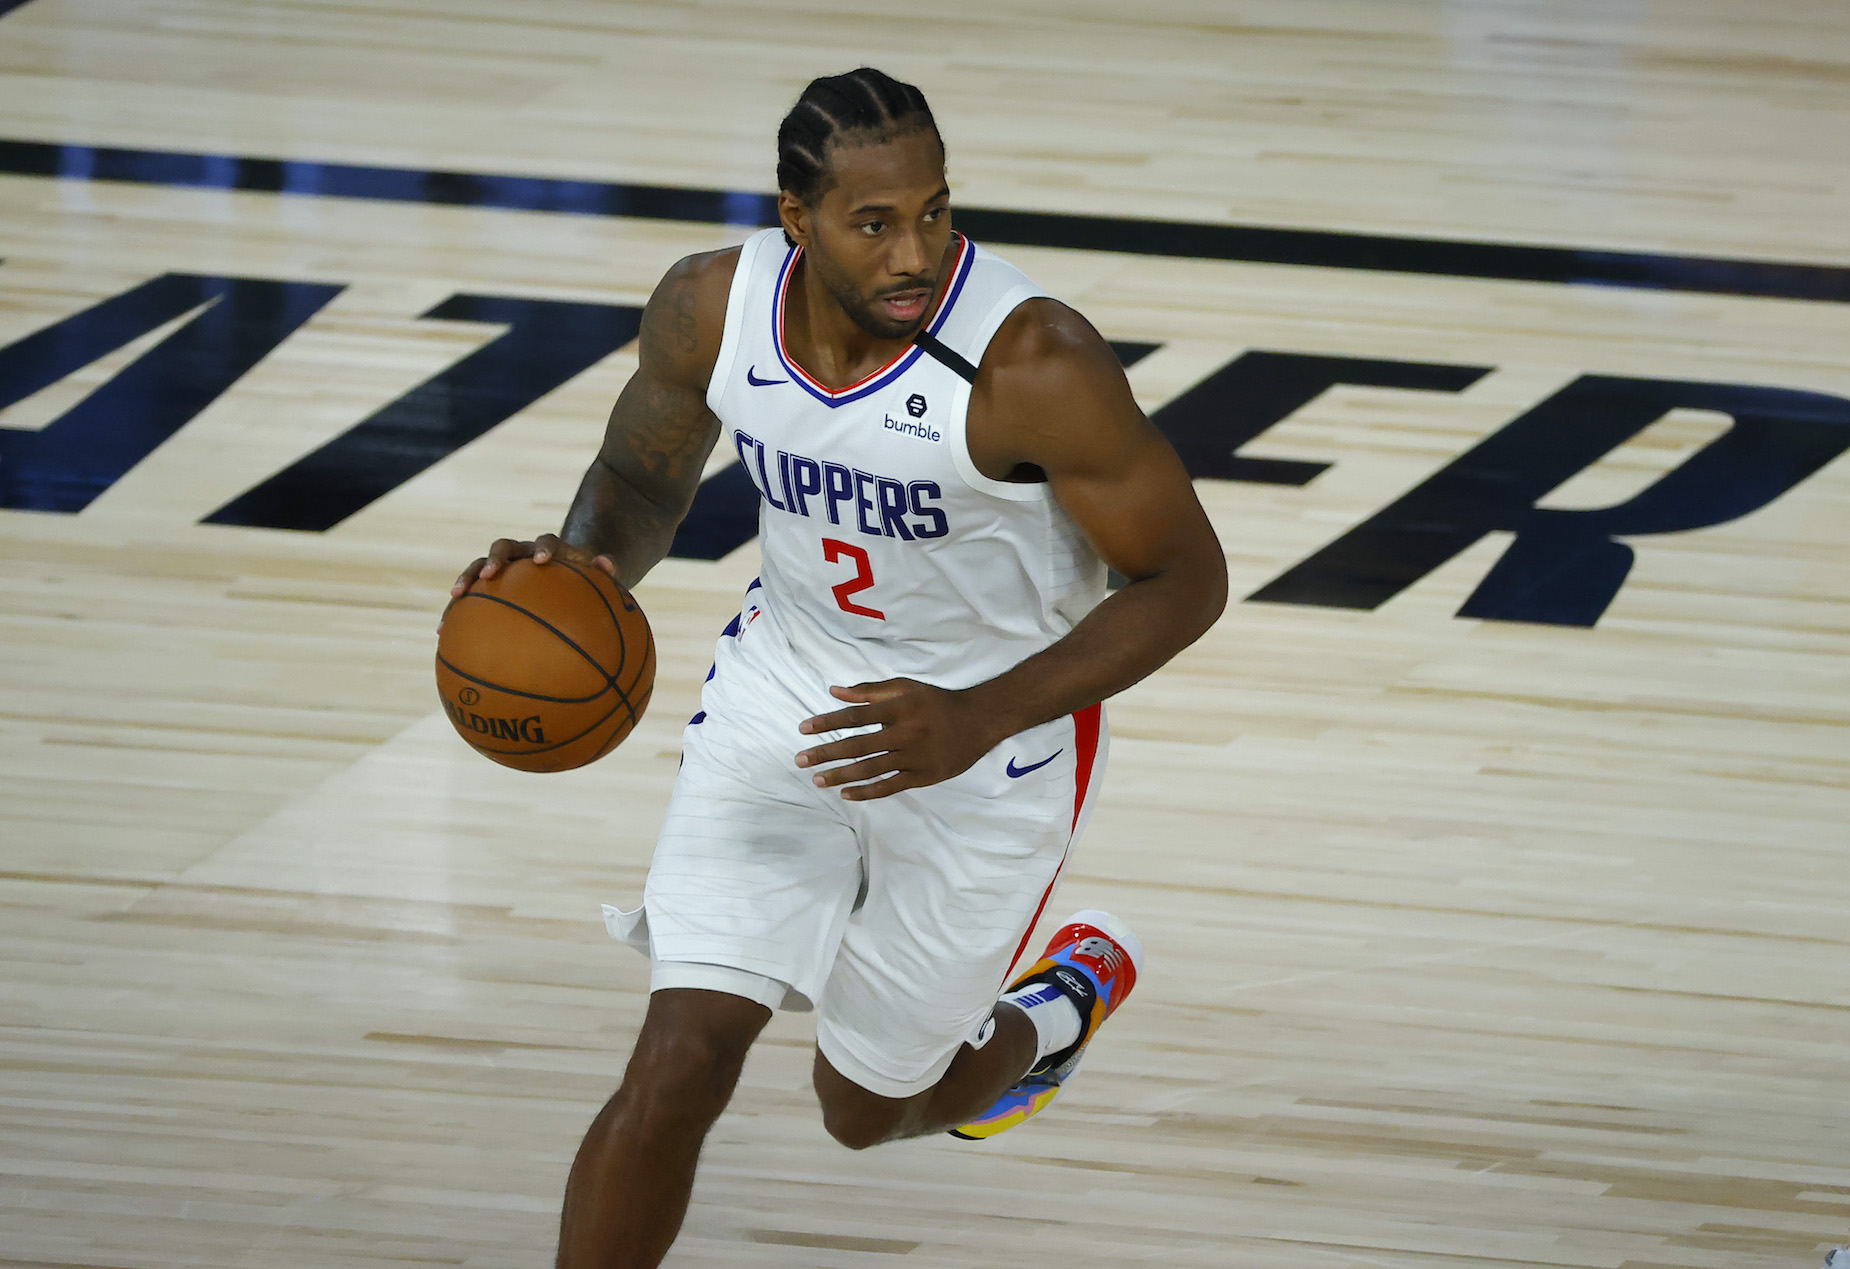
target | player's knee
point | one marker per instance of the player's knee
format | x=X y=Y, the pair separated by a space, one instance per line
x=853 y=1116
x=860 y=1126
x=682 y=1077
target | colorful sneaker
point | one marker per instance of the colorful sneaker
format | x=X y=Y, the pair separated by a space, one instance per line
x=1093 y=961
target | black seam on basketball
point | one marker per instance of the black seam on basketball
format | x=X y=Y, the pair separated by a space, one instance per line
x=564 y=638
x=610 y=743
x=578 y=736
x=648 y=657
x=623 y=643
x=648 y=664
x=617 y=736
x=531 y=696
x=648 y=654
x=572 y=739
x=635 y=709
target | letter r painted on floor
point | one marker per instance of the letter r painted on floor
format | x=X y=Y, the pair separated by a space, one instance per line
x=1566 y=567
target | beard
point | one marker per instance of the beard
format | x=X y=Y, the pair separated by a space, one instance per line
x=864 y=310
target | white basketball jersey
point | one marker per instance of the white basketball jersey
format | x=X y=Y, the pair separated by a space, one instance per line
x=886 y=553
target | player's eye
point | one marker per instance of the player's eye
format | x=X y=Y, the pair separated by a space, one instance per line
x=871 y=227
x=936 y=213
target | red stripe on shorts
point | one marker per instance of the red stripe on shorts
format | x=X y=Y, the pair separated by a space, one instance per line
x=1085 y=746
x=1085 y=737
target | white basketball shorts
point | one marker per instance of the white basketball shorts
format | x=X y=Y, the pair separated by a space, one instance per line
x=897 y=919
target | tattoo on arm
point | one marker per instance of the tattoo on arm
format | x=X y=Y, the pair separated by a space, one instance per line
x=660 y=432
x=664 y=436
x=643 y=479
x=686 y=329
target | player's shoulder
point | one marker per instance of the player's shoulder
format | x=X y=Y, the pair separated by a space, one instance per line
x=1043 y=340
x=686 y=316
x=704 y=279
x=1049 y=388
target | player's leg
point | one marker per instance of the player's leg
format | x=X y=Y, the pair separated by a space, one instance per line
x=857 y=1117
x=750 y=887
x=912 y=1037
x=629 y=1184
x=1053 y=1009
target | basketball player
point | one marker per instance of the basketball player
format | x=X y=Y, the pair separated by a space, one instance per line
x=901 y=735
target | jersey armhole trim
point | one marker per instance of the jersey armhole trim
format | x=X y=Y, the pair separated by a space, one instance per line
x=735 y=317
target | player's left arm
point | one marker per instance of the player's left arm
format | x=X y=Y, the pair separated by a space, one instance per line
x=1052 y=394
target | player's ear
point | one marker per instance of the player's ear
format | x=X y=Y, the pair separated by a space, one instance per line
x=795 y=217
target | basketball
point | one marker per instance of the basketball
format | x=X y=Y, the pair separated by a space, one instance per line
x=545 y=667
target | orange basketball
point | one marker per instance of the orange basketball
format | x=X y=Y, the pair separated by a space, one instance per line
x=545 y=667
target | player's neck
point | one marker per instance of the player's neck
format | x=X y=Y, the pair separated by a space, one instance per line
x=825 y=341
x=831 y=346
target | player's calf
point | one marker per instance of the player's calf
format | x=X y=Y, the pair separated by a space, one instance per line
x=630 y=1181
x=857 y=1118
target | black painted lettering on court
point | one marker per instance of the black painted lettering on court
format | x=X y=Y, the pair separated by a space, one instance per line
x=724 y=516
x=1565 y=567
x=1257 y=390
x=1131 y=351
x=73 y=459
x=546 y=343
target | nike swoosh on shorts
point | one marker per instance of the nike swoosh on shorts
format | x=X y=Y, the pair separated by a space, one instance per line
x=1016 y=773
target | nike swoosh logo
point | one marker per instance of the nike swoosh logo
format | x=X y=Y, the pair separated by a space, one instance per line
x=752 y=378
x=1016 y=773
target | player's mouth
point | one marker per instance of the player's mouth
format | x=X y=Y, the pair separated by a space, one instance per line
x=906 y=307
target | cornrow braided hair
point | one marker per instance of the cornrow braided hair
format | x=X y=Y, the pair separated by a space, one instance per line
x=868 y=104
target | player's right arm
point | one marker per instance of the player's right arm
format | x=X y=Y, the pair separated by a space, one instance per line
x=642 y=482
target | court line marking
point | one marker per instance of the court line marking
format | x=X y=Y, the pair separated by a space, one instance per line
x=1252 y=244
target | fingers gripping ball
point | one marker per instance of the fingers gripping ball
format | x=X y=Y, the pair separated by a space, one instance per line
x=545 y=667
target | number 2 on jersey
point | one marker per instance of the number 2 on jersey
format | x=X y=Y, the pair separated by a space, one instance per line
x=863 y=578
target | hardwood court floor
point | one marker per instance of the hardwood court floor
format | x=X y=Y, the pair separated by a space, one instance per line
x=1473 y=943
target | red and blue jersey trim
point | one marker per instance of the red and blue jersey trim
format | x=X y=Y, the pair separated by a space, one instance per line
x=1088 y=725
x=832 y=397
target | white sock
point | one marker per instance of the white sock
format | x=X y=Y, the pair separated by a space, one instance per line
x=1055 y=1017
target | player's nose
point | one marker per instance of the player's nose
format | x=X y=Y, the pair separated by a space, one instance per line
x=907 y=256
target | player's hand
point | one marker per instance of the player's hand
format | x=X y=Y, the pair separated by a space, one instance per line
x=543 y=548
x=925 y=735
x=505 y=551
